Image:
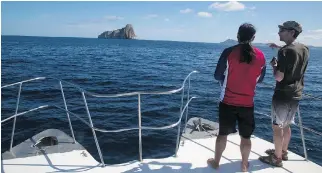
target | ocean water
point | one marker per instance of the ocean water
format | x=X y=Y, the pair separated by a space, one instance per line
x=119 y=66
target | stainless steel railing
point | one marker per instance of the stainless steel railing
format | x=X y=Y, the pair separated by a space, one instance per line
x=183 y=108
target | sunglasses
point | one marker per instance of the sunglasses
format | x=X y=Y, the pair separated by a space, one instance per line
x=285 y=29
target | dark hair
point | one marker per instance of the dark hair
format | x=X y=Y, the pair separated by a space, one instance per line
x=246 y=32
x=296 y=33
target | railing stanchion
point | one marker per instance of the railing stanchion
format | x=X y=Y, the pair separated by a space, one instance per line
x=70 y=123
x=140 y=127
x=178 y=135
x=188 y=95
x=15 y=119
x=302 y=133
x=92 y=127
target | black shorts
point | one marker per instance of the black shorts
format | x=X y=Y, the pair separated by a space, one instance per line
x=228 y=115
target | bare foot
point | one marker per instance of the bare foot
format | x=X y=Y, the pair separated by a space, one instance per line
x=244 y=167
x=212 y=163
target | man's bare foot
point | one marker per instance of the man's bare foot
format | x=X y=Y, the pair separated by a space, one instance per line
x=212 y=163
x=244 y=167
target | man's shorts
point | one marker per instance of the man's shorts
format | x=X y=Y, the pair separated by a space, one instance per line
x=228 y=115
x=283 y=112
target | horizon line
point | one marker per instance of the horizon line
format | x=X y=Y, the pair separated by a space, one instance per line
x=140 y=39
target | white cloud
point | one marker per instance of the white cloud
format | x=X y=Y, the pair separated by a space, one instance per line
x=166 y=19
x=311 y=36
x=188 y=10
x=114 y=18
x=315 y=31
x=150 y=16
x=204 y=14
x=252 y=8
x=228 y=6
x=172 y=30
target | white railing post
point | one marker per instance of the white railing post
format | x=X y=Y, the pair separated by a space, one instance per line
x=140 y=127
x=70 y=123
x=92 y=127
x=178 y=135
x=188 y=95
x=15 y=119
x=302 y=133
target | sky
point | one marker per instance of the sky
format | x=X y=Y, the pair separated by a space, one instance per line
x=177 y=21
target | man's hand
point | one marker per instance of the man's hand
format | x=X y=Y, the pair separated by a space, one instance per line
x=273 y=62
x=273 y=45
x=279 y=76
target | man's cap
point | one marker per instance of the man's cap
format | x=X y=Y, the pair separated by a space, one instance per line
x=291 y=25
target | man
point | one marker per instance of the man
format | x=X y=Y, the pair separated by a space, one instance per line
x=289 y=75
x=244 y=66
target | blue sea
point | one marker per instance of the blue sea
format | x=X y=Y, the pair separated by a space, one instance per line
x=119 y=66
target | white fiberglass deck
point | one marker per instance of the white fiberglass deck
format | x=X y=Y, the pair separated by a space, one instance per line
x=192 y=157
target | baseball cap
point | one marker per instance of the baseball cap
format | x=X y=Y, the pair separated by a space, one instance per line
x=291 y=25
